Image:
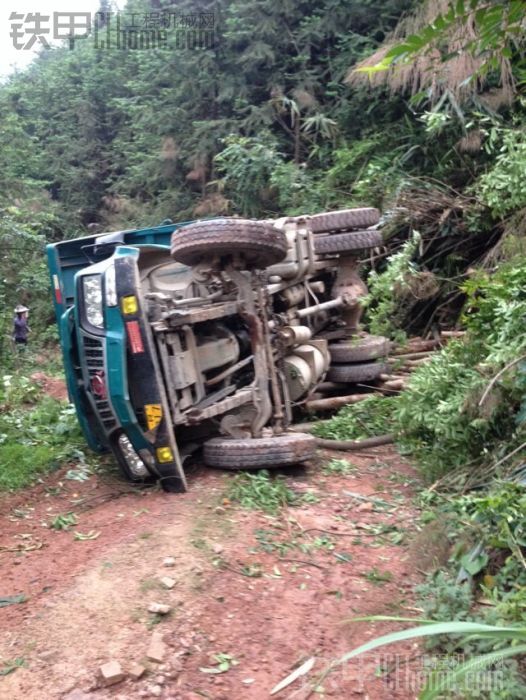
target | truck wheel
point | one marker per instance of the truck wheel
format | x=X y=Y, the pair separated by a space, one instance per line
x=259 y=243
x=357 y=349
x=344 y=219
x=366 y=372
x=347 y=242
x=259 y=453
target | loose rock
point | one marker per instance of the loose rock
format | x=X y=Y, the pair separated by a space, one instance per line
x=169 y=562
x=157 y=648
x=159 y=608
x=365 y=507
x=136 y=671
x=111 y=673
x=168 y=582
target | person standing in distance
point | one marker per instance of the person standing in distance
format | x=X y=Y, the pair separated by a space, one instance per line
x=20 y=327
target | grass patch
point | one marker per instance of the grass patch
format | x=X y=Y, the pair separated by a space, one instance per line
x=378 y=578
x=12 y=665
x=37 y=433
x=340 y=467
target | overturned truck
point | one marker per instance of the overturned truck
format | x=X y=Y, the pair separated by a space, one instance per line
x=211 y=333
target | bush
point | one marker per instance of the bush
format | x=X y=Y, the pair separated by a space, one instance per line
x=37 y=433
x=384 y=310
x=502 y=187
x=370 y=417
x=442 y=417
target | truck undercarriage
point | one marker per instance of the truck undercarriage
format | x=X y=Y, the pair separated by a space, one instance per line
x=236 y=324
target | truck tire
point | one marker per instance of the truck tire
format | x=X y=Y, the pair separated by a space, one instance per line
x=259 y=243
x=369 y=347
x=259 y=453
x=347 y=242
x=344 y=219
x=349 y=374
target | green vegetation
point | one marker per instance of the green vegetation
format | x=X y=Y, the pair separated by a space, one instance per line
x=37 y=433
x=386 y=289
x=464 y=410
x=378 y=578
x=10 y=666
x=261 y=491
x=465 y=678
x=454 y=415
x=63 y=521
x=370 y=417
x=340 y=467
x=462 y=421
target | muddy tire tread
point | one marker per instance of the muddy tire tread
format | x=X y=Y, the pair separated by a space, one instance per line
x=347 y=242
x=344 y=219
x=259 y=453
x=349 y=374
x=370 y=347
x=260 y=243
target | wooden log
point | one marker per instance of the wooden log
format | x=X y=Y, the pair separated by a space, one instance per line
x=393 y=385
x=336 y=401
x=417 y=345
x=412 y=355
x=452 y=334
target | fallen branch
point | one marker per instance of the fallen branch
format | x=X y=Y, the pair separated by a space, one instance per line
x=411 y=355
x=417 y=345
x=393 y=385
x=306 y=563
x=453 y=334
x=497 y=377
x=336 y=401
x=355 y=445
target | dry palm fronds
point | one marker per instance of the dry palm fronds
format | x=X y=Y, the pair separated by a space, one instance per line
x=212 y=204
x=461 y=74
x=169 y=150
x=304 y=98
x=448 y=249
x=470 y=142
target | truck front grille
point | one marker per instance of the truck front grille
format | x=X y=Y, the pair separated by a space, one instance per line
x=94 y=354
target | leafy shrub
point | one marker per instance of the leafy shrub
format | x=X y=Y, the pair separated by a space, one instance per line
x=33 y=439
x=246 y=164
x=502 y=186
x=437 y=421
x=370 y=417
x=383 y=308
x=441 y=416
x=442 y=598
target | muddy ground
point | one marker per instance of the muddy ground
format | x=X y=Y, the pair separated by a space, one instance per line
x=259 y=593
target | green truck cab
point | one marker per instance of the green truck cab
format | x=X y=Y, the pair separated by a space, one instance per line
x=209 y=333
x=105 y=343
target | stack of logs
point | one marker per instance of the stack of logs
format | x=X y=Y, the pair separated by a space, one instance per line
x=402 y=360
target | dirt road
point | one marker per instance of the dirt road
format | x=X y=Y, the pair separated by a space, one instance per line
x=254 y=595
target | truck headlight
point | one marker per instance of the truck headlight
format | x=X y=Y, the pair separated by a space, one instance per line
x=92 y=293
x=135 y=463
x=110 y=286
